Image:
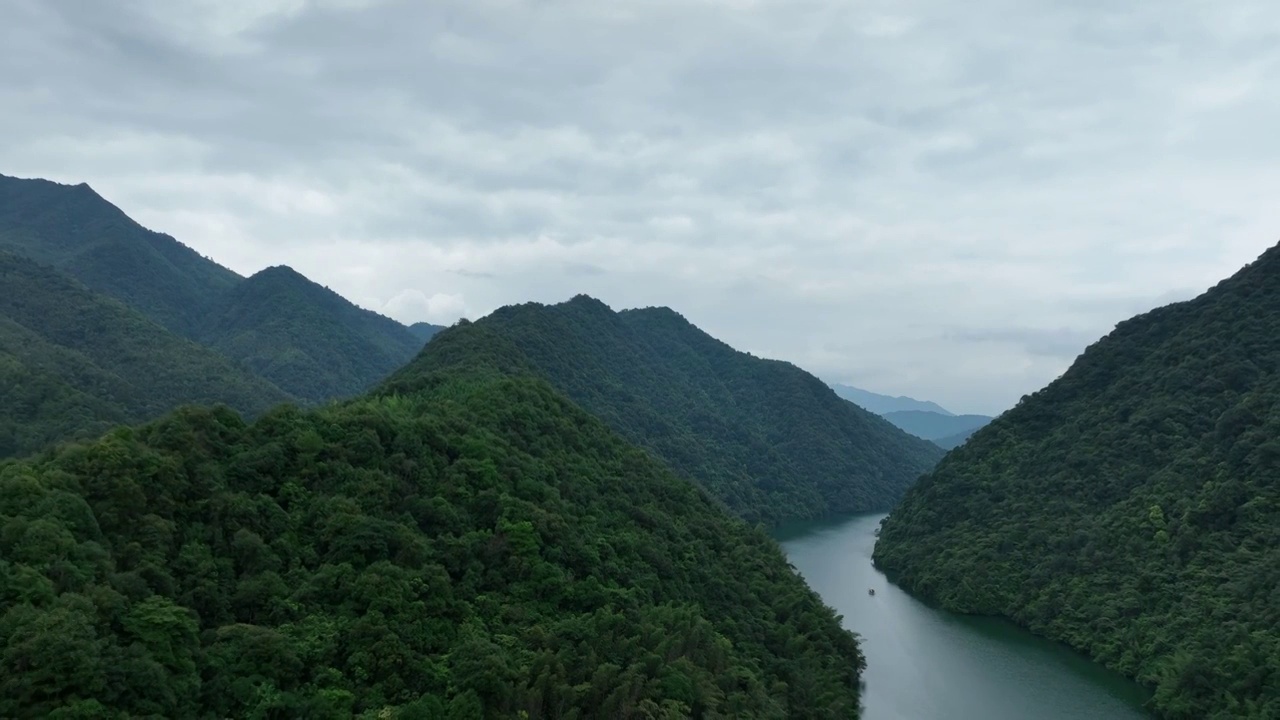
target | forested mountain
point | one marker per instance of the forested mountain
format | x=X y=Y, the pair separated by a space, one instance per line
x=477 y=547
x=73 y=363
x=299 y=335
x=1131 y=508
x=935 y=426
x=766 y=438
x=952 y=442
x=75 y=230
x=881 y=404
x=424 y=331
x=306 y=338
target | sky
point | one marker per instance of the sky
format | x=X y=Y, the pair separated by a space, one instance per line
x=923 y=197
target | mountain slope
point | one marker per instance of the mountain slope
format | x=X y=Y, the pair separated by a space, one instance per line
x=75 y=230
x=766 y=438
x=424 y=331
x=932 y=425
x=305 y=338
x=480 y=548
x=881 y=404
x=74 y=363
x=951 y=442
x=1132 y=507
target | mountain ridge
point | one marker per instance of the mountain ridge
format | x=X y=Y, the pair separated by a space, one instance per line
x=769 y=440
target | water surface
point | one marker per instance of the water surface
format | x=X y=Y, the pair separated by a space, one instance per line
x=926 y=664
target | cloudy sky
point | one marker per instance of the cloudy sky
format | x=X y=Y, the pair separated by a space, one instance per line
x=947 y=200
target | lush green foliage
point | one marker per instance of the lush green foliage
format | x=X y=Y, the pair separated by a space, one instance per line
x=1132 y=507
x=881 y=404
x=74 y=363
x=306 y=338
x=481 y=548
x=766 y=438
x=73 y=229
x=302 y=337
x=935 y=426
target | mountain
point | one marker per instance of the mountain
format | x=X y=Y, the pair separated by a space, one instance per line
x=881 y=404
x=766 y=438
x=295 y=333
x=951 y=442
x=424 y=331
x=306 y=338
x=1131 y=509
x=75 y=230
x=934 y=426
x=475 y=547
x=74 y=363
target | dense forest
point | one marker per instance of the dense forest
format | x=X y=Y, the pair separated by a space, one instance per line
x=296 y=334
x=1130 y=509
x=766 y=438
x=306 y=338
x=465 y=546
x=74 y=363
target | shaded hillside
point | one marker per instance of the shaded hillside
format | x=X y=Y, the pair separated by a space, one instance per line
x=306 y=338
x=424 y=331
x=479 y=549
x=881 y=404
x=1132 y=508
x=766 y=438
x=74 y=229
x=934 y=426
x=73 y=363
x=952 y=442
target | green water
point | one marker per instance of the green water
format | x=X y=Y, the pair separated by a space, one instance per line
x=926 y=664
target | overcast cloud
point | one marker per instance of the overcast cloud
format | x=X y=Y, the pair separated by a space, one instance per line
x=924 y=197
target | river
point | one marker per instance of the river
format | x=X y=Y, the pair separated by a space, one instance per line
x=927 y=664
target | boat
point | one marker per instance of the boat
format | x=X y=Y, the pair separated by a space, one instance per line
x=871 y=591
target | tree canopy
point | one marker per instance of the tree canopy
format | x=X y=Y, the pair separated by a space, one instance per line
x=1130 y=509
x=478 y=548
x=769 y=440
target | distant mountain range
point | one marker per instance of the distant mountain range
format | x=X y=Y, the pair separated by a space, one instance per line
x=881 y=404
x=921 y=418
x=158 y=325
x=767 y=439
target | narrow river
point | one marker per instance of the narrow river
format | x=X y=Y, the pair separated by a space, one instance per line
x=926 y=664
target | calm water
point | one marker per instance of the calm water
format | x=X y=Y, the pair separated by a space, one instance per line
x=926 y=664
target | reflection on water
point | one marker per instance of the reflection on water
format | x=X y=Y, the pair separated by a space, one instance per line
x=926 y=664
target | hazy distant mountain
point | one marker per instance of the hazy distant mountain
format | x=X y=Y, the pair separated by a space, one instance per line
x=881 y=404
x=73 y=363
x=951 y=442
x=306 y=338
x=768 y=439
x=934 y=426
x=425 y=331
x=1131 y=508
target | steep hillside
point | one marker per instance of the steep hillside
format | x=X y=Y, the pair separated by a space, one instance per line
x=766 y=438
x=74 y=229
x=297 y=334
x=74 y=363
x=479 y=548
x=306 y=338
x=1132 y=508
x=934 y=426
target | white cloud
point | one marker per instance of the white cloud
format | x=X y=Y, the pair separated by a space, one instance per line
x=899 y=194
